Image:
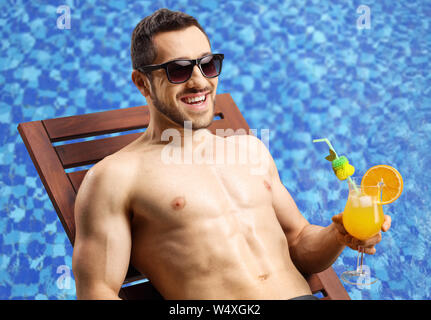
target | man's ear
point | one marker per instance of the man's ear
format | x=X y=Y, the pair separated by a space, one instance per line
x=142 y=82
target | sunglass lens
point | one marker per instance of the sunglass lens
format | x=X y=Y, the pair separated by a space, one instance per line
x=211 y=66
x=180 y=71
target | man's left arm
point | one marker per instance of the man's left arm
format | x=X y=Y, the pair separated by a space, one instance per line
x=312 y=248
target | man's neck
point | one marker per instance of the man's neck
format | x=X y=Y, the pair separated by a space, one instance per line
x=160 y=131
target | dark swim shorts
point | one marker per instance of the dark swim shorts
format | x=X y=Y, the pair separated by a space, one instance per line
x=306 y=297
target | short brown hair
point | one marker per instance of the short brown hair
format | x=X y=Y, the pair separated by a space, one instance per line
x=143 y=51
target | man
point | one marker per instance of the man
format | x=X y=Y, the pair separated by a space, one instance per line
x=197 y=230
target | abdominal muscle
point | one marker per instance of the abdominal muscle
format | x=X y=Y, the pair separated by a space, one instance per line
x=215 y=259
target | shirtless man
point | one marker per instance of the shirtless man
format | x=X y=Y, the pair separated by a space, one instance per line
x=196 y=230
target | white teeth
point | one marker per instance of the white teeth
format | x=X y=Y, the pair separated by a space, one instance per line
x=195 y=99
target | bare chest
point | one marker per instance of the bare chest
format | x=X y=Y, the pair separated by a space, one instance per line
x=174 y=195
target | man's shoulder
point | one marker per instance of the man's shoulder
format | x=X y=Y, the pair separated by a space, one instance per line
x=249 y=142
x=113 y=170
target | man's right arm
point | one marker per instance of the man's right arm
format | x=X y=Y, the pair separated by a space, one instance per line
x=103 y=233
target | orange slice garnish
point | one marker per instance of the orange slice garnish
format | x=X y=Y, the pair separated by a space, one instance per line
x=388 y=178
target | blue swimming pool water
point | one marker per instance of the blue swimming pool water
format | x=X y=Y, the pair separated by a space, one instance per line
x=302 y=69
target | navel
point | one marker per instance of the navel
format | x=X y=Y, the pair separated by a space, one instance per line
x=178 y=203
x=267 y=185
x=263 y=277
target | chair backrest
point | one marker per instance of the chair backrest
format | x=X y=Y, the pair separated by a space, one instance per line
x=51 y=161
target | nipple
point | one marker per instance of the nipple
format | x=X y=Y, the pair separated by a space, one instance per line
x=178 y=203
x=267 y=185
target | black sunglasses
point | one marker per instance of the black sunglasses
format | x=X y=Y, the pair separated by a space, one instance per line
x=179 y=71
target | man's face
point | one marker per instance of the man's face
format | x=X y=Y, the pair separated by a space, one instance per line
x=171 y=99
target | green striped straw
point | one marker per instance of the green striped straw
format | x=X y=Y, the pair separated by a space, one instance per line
x=355 y=187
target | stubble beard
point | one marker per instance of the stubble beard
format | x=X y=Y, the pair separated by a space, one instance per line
x=174 y=114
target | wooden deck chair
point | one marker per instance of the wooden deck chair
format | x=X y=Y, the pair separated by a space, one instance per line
x=62 y=187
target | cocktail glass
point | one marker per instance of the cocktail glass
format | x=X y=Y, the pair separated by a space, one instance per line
x=362 y=218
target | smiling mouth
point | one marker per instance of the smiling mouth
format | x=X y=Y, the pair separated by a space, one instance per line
x=195 y=100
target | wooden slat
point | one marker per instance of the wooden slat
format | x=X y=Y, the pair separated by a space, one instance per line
x=51 y=172
x=75 y=154
x=104 y=122
x=332 y=285
x=92 y=124
x=76 y=178
x=89 y=152
x=314 y=283
x=231 y=112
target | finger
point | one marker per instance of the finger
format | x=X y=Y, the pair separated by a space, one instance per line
x=387 y=223
x=350 y=242
x=340 y=238
x=338 y=218
x=347 y=239
x=340 y=228
x=338 y=223
x=371 y=250
x=372 y=241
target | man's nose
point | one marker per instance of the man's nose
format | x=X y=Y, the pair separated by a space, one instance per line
x=197 y=79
